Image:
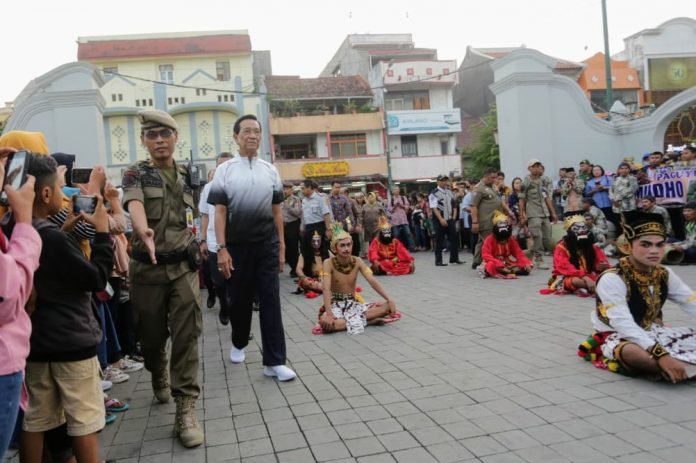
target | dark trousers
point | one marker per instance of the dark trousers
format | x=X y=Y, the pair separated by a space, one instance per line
x=256 y=273
x=356 y=244
x=292 y=244
x=307 y=251
x=123 y=319
x=403 y=234
x=221 y=291
x=207 y=278
x=451 y=233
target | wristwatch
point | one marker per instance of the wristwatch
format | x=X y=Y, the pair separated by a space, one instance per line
x=220 y=246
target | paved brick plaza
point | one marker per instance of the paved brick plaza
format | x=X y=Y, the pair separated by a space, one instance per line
x=478 y=370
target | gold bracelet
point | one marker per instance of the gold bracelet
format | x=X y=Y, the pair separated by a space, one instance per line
x=658 y=351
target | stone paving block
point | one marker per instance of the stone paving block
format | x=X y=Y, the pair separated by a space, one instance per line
x=431 y=435
x=213 y=438
x=548 y=434
x=381 y=458
x=159 y=458
x=321 y=436
x=292 y=441
x=385 y=426
x=117 y=452
x=343 y=417
x=363 y=446
x=417 y=455
x=508 y=457
x=330 y=451
x=463 y=429
x=248 y=433
x=552 y=413
x=515 y=439
x=645 y=439
x=156 y=446
x=493 y=424
x=674 y=454
x=223 y=453
x=610 y=445
x=353 y=430
x=191 y=456
x=250 y=448
x=313 y=422
x=482 y=446
x=416 y=421
x=579 y=428
x=449 y=452
x=541 y=454
x=371 y=413
x=303 y=455
x=398 y=441
x=578 y=451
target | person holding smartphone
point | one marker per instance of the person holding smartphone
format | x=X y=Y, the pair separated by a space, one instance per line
x=62 y=374
x=19 y=259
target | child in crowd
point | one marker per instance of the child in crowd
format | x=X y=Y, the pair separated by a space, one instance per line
x=62 y=373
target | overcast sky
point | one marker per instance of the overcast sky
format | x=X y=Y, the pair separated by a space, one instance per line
x=302 y=35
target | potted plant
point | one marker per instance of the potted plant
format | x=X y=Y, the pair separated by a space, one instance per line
x=350 y=107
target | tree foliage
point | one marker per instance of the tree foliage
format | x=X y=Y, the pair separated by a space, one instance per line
x=484 y=151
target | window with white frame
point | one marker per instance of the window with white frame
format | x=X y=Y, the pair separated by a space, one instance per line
x=222 y=69
x=166 y=72
x=409 y=145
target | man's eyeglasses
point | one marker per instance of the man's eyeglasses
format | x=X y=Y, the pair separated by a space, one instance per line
x=154 y=134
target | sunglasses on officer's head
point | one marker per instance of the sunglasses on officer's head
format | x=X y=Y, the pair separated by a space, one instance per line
x=153 y=134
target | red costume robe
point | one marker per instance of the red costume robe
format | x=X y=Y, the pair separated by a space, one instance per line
x=392 y=258
x=496 y=255
x=562 y=267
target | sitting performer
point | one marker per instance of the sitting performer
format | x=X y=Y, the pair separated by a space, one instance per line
x=341 y=311
x=387 y=254
x=577 y=261
x=629 y=334
x=310 y=284
x=501 y=254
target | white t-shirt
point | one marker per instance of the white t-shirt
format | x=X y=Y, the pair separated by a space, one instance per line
x=209 y=210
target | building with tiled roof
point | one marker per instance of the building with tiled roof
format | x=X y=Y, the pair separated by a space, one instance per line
x=205 y=80
x=625 y=83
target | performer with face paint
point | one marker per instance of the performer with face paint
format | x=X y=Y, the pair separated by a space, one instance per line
x=387 y=254
x=577 y=261
x=501 y=254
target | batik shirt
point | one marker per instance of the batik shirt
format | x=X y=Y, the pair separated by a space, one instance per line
x=624 y=190
x=600 y=221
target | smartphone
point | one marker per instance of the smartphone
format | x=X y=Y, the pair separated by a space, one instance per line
x=84 y=203
x=15 y=172
x=80 y=175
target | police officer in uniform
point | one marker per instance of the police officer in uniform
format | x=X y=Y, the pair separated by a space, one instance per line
x=164 y=278
x=485 y=202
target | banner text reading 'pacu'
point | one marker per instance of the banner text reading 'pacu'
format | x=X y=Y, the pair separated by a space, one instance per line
x=670 y=185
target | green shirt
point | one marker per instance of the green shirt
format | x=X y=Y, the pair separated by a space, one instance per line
x=534 y=192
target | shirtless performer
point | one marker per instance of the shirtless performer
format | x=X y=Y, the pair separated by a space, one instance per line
x=340 y=275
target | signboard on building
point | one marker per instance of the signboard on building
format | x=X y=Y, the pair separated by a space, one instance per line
x=325 y=169
x=672 y=73
x=415 y=122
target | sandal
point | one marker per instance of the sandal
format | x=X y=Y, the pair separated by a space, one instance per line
x=317 y=330
x=115 y=406
x=109 y=418
x=393 y=317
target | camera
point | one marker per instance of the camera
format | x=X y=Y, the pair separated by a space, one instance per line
x=84 y=203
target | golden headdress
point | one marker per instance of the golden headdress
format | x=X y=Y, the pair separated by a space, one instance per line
x=571 y=218
x=337 y=234
x=499 y=217
x=383 y=223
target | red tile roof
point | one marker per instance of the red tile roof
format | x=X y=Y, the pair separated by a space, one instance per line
x=293 y=87
x=156 y=47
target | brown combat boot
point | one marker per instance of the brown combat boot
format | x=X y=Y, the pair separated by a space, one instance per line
x=186 y=425
x=160 y=386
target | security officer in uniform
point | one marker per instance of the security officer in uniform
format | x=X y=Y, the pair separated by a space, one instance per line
x=164 y=279
x=484 y=203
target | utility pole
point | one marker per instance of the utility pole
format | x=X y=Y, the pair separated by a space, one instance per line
x=607 y=61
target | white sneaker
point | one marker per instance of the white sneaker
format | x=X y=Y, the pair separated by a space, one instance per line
x=128 y=365
x=281 y=372
x=237 y=355
x=115 y=375
x=106 y=385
